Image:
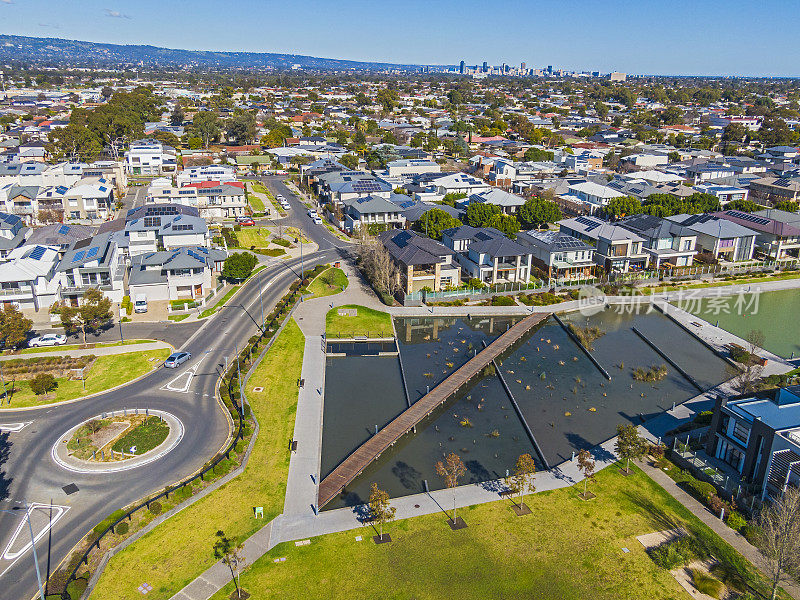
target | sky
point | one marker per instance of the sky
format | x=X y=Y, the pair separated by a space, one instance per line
x=670 y=37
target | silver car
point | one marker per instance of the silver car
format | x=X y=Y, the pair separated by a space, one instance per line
x=176 y=359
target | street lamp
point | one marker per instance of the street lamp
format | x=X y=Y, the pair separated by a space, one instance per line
x=33 y=545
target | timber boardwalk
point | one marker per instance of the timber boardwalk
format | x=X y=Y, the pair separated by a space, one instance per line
x=370 y=450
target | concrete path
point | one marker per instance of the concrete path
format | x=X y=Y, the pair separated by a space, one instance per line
x=98 y=351
x=735 y=539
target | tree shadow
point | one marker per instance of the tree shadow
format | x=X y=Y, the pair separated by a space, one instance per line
x=409 y=477
x=655 y=515
x=5 y=451
x=362 y=513
x=579 y=442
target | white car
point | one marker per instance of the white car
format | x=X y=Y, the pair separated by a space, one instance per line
x=317 y=220
x=49 y=339
x=312 y=213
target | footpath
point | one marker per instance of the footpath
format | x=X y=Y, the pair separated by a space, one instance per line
x=97 y=351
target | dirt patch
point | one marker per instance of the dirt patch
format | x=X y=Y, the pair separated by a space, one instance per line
x=652 y=540
x=684 y=577
x=108 y=433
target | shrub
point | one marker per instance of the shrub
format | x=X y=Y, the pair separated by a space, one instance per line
x=103 y=525
x=43 y=383
x=121 y=528
x=750 y=532
x=675 y=553
x=706 y=584
x=503 y=301
x=704 y=418
x=155 y=508
x=702 y=490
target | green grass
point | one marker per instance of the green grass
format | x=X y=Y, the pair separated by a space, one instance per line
x=178 y=318
x=220 y=303
x=255 y=202
x=180 y=549
x=332 y=281
x=273 y=252
x=105 y=373
x=79 y=347
x=253 y=236
x=145 y=436
x=566 y=549
x=697 y=286
x=367 y=322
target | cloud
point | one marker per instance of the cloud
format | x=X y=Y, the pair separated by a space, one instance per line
x=7 y=1
x=48 y=25
x=114 y=14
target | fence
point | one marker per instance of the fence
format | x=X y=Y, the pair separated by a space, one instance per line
x=233 y=392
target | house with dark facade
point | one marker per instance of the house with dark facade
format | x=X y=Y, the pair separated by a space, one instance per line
x=421 y=261
x=485 y=253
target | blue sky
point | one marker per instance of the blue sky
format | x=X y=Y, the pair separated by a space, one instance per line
x=645 y=36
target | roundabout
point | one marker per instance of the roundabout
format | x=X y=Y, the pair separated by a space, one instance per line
x=110 y=443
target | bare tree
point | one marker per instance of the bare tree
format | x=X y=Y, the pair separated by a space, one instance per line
x=451 y=470
x=376 y=263
x=779 y=536
x=744 y=379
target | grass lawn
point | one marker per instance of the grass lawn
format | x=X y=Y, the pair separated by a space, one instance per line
x=145 y=436
x=566 y=549
x=220 y=303
x=178 y=318
x=331 y=281
x=105 y=373
x=367 y=322
x=255 y=202
x=79 y=346
x=253 y=236
x=180 y=549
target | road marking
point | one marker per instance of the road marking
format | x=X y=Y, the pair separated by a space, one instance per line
x=58 y=512
x=182 y=382
x=14 y=427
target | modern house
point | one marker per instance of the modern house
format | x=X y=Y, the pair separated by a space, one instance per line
x=459 y=183
x=771 y=190
x=12 y=234
x=90 y=199
x=175 y=274
x=150 y=157
x=557 y=254
x=28 y=278
x=759 y=437
x=211 y=199
x=722 y=239
x=775 y=239
x=508 y=203
x=422 y=263
x=219 y=173
x=411 y=166
x=372 y=211
x=667 y=244
x=94 y=262
x=591 y=194
x=486 y=254
x=617 y=249
x=163 y=227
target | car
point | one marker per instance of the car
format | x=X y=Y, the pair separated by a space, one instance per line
x=140 y=303
x=176 y=359
x=49 y=339
x=248 y=222
x=312 y=213
x=317 y=220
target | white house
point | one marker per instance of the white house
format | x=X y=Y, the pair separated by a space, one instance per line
x=150 y=157
x=220 y=173
x=154 y=227
x=28 y=280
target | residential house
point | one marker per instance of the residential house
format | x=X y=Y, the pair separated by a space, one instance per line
x=422 y=263
x=411 y=166
x=725 y=193
x=720 y=238
x=157 y=227
x=62 y=236
x=486 y=254
x=758 y=436
x=458 y=183
x=558 y=255
x=338 y=186
x=28 y=278
x=213 y=200
x=373 y=212
x=12 y=234
x=593 y=195
x=94 y=262
x=90 y=199
x=508 y=203
x=616 y=249
x=775 y=239
x=217 y=173
x=181 y=273
x=151 y=157
x=667 y=243
x=771 y=190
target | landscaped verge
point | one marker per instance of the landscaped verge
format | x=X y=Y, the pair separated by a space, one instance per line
x=105 y=372
x=566 y=549
x=330 y=281
x=354 y=320
x=180 y=549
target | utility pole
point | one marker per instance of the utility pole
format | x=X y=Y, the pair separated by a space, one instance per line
x=33 y=547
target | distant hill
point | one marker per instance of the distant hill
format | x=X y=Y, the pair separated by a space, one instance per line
x=56 y=51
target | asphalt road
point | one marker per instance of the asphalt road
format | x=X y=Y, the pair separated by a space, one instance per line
x=27 y=471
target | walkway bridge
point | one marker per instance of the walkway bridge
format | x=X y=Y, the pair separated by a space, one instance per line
x=370 y=450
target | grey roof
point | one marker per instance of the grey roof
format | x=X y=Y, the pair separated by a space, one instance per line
x=486 y=240
x=152 y=210
x=60 y=235
x=414 y=209
x=97 y=248
x=372 y=204
x=189 y=257
x=174 y=224
x=410 y=248
x=711 y=225
x=598 y=229
x=552 y=241
x=650 y=226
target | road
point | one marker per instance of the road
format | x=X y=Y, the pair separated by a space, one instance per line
x=28 y=473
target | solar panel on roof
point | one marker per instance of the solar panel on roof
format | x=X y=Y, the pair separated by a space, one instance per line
x=63 y=230
x=748 y=217
x=92 y=252
x=783 y=182
x=37 y=253
x=79 y=256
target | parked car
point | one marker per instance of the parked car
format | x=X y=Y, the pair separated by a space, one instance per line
x=247 y=222
x=312 y=213
x=176 y=359
x=49 y=339
x=140 y=303
x=317 y=220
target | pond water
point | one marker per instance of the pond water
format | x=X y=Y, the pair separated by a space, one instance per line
x=565 y=400
x=773 y=313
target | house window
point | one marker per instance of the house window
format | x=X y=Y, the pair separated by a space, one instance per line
x=86 y=278
x=741 y=431
x=687 y=245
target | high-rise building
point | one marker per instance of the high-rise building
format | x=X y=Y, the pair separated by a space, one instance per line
x=549 y=69
x=485 y=67
x=522 y=66
x=462 y=67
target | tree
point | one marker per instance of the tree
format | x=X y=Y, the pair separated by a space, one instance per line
x=376 y=263
x=74 y=142
x=387 y=98
x=621 y=206
x=674 y=157
x=239 y=265
x=586 y=466
x=106 y=92
x=94 y=309
x=629 y=444
x=434 y=221
x=507 y=224
x=14 y=328
x=451 y=470
x=205 y=125
x=230 y=553
x=537 y=211
x=241 y=127
x=786 y=205
x=744 y=379
x=379 y=509
x=601 y=110
x=743 y=205
x=177 y=116
x=778 y=536
x=479 y=214
x=538 y=155
x=43 y=383
x=522 y=479
x=350 y=161
x=451 y=198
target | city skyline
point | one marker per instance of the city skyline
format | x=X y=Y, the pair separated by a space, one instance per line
x=689 y=39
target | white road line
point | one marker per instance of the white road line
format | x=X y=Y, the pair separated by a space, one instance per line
x=14 y=427
x=178 y=384
x=58 y=512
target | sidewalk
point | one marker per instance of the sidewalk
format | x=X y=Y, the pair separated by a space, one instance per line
x=735 y=539
x=99 y=351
